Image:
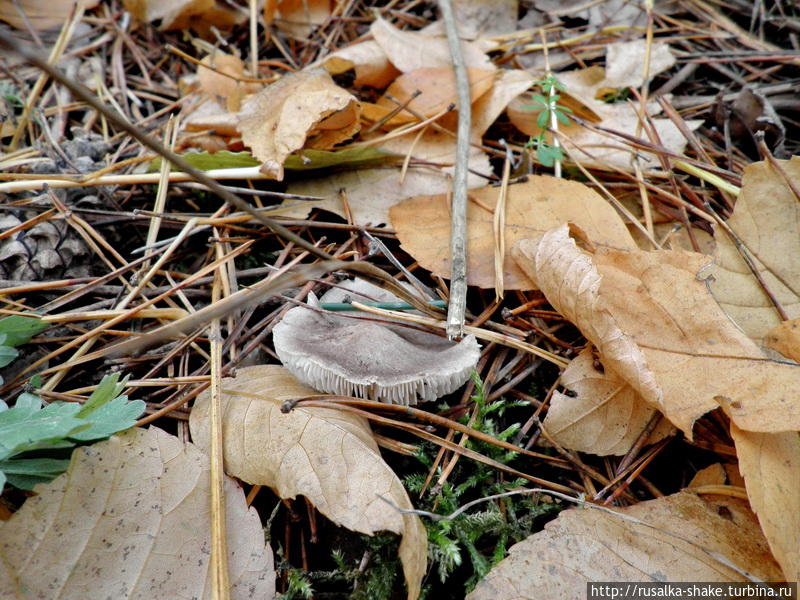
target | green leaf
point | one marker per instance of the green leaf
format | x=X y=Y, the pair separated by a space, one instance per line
x=562 y=118
x=116 y=415
x=205 y=161
x=19 y=330
x=27 y=427
x=25 y=473
x=305 y=160
x=309 y=160
x=109 y=388
x=7 y=355
x=542 y=119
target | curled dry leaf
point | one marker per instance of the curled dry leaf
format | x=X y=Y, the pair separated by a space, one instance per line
x=371 y=193
x=532 y=208
x=298 y=18
x=131 y=519
x=302 y=109
x=657 y=326
x=40 y=14
x=770 y=465
x=604 y=415
x=412 y=50
x=685 y=534
x=766 y=218
x=585 y=89
x=438 y=92
x=328 y=456
x=220 y=75
x=181 y=14
x=370 y=62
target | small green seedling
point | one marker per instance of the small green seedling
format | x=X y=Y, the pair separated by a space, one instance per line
x=550 y=110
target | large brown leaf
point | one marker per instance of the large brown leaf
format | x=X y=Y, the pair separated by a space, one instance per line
x=657 y=326
x=131 y=519
x=770 y=465
x=590 y=545
x=767 y=220
x=532 y=207
x=302 y=109
x=604 y=415
x=326 y=455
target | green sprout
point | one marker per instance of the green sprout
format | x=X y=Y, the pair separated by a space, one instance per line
x=550 y=113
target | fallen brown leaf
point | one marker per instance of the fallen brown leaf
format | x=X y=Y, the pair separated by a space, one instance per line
x=477 y=18
x=438 y=91
x=603 y=415
x=298 y=18
x=302 y=109
x=685 y=534
x=785 y=338
x=657 y=326
x=370 y=62
x=199 y=15
x=131 y=519
x=40 y=14
x=766 y=218
x=532 y=207
x=770 y=465
x=219 y=76
x=326 y=455
x=412 y=50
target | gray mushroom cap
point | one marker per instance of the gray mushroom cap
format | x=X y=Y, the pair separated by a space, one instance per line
x=354 y=355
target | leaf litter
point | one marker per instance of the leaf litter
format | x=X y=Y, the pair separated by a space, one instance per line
x=653 y=336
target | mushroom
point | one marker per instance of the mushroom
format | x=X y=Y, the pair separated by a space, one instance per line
x=367 y=356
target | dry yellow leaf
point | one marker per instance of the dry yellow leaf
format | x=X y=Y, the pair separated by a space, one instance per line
x=770 y=465
x=711 y=475
x=438 y=91
x=785 y=338
x=412 y=50
x=532 y=207
x=479 y=18
x=766 y=218
x=508 y=84
x=685 y=535
x=604 y=415
x=305 y=109
x=298 y=18
x=167 y=11
x=372 y=192
x=368 y=59
x=219 y=75
x=657 y=326
x=41 y=14
x=131 y=519
x=326 y=455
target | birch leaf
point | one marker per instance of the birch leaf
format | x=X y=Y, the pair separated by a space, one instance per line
x=326 y=455
x=766 y=218
x=412 y=50
x=770 y=465
x=532 y=207
x=131 y=519
x=785 y=338
x=657 y=326
x=302 y=109
x=370 y=62
x=604 y=415
x=589 y=545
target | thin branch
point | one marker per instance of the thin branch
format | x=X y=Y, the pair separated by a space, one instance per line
x=458 y=229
